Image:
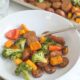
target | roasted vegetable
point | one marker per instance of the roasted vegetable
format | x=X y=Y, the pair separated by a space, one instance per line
x=32 y=41
x=8 y=43
x=7 y=52
x=42 y=39
x=56 y=60
x=35 y=46
x=31 y=64
x=12 y=34
x=39 y=57
x=22 y=69
x=44 y=48
x=69 y=15
x=54 y=48
x=49 y=41
x=40 y=1
x=78 y=20
x=16 y=55
x=46 y=44
x=20 y=43
x=76 y=2
x=23 y=29
x=17 y=61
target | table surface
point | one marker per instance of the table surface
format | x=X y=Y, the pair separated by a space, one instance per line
x=74 y=73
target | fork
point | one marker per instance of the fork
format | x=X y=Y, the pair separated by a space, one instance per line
x=61 y=30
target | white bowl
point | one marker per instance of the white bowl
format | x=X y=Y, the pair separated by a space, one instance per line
x=39 y=21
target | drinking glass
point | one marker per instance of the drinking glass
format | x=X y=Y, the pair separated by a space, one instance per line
x=4 y=5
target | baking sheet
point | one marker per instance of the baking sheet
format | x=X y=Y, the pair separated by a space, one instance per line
x=22 y=2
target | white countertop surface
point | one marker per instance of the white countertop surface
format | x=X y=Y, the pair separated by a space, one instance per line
x=74 y=73
x=14 y=7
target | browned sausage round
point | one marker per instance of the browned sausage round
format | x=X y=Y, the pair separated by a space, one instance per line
x=50 y=69
x=66 y=5
x=25 y=55
x=65 y=62
x=75 y=9
x=37 y=73
x=55 y=0
x=60 y=12
x=56 y=5
x=65 y=50
x=43 y=5
x=30 y=1
x=41 y=65
x=57 y=39
x=50 y=9
x=54 y=53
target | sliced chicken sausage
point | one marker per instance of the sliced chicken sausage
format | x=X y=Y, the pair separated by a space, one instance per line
x=66 y=5
x=25 y=55
x=65 y=62
x=55 y=0
x=50 y=9
x=50 y=69
x=56 y=5
x=57 y=39
x=37 y=73
x=41 y=65
x=60 y=12
x=65 y=50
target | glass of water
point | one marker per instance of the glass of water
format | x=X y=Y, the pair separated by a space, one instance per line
x=4 y=5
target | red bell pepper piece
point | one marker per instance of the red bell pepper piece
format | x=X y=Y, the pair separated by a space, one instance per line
x=12 y=34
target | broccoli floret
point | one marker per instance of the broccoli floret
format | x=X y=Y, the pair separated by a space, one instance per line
x=40 y=1
x=7 y=52
x=16 y=55
x=21 y=43
x=25 y=75
x=49 y=41
x=45 y=48
x=29 y=68
x=22 y=69
x=46 y=45
x=75 y=2
x=39 y=57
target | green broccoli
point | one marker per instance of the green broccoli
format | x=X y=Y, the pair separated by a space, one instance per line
x=16 y=55
x=20 y=43
x=49 y=41
x=7 y=52
x=79 y=2
x=46 y=45
x=76 y=2
x=39 y=57
x=22 y=69
x=25 y=75
x=40 y=1
x=45 y=48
